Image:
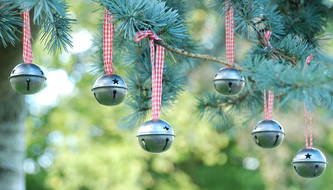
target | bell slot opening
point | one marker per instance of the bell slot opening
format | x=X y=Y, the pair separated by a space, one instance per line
x=230 y=86
x=166 y=143
x=276 y=139
x=144 y=144
x=316 y=170
x=114 y=94
x=28 y=84
x=256 y=140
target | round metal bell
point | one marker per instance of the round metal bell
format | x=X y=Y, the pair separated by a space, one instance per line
x=27 y=78
x=309 y=162
x=268 y=134
x=155 y=136
x=229 y=81
x=110 y=90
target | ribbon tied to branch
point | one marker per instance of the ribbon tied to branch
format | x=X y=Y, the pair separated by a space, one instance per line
x=157 y=64
x=308 y=117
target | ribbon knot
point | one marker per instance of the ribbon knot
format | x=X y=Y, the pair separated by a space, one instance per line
x=146 y=34
x=157 y=64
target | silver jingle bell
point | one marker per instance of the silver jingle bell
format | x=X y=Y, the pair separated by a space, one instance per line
x=309 y=162
x=27 y=78
x=110 y=90
x=155 y=136
x=229 y=81
x=268 y=134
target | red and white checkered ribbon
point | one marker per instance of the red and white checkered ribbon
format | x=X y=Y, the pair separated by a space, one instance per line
x=308 y=117
x=157 y=63
x=268 y=104
x=268 y=95
x=108 y=33
x=230 y=33
x=308 y=128
x=268 y=35
x=309 y=59
x=27 y=49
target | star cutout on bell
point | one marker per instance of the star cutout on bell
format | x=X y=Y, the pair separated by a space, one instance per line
x=308 y=156
x=115 y=81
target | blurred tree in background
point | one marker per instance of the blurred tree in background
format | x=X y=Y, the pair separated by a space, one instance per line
x=74 y=143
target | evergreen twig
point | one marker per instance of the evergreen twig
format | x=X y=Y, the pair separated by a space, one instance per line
x=194 y=55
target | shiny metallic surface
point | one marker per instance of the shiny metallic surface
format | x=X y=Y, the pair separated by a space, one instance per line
x=27 y=79
x=110 y=90
x=155 y=136
x=309 y=162
x=268 y=134
x=229 y=81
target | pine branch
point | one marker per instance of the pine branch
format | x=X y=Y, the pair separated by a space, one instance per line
x=252 y=22
x=53 y=17
x=10 y=21
x=283 y=56
x=276 y=68
x=50 y=15
x=56 y=34
x=194 y=55
x=275 y=53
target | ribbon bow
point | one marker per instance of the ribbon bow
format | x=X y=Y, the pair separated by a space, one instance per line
x=157 y=63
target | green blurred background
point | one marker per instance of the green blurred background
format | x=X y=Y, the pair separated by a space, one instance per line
x=73 y=143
